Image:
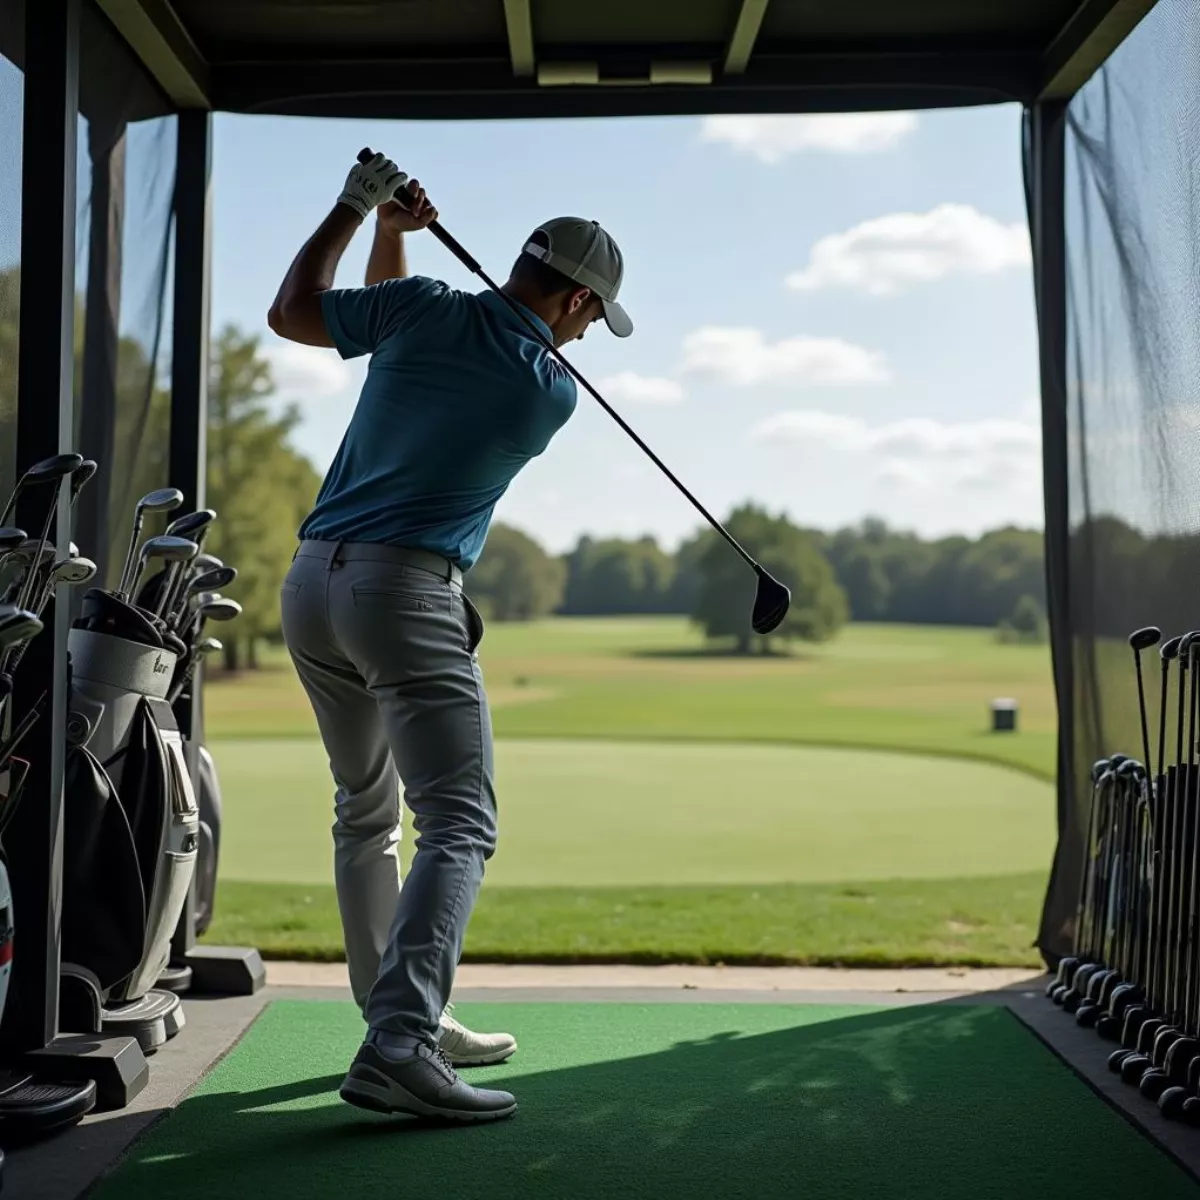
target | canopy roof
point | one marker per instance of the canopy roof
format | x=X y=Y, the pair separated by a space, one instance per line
x=546 y=58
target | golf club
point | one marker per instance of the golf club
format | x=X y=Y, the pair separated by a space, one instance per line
x=1143 y=639
x=195 y=527
x=49 y=468
x=67 y=465
x=162 y=500
x=173 y=550
x=206 y=581
x=772 y=599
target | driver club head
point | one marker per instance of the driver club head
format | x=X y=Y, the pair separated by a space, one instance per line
x=11 y=538
x=210 y=645
x=1170 y=648
x=55 y=468
x=771 y=603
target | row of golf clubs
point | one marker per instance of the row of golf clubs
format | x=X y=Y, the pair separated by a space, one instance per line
x=185 y=595
x=38 y=570
x=1135 y=973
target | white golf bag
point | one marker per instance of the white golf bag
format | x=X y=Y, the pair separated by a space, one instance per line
x=130 y=828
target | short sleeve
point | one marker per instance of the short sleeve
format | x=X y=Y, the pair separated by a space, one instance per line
x=360 y=319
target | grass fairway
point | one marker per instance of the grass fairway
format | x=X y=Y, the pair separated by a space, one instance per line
x=597 y=813
x=901 y=687
x=662 y=803
x=985 y=921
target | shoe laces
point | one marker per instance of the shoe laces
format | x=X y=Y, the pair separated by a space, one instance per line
x=444 y=1059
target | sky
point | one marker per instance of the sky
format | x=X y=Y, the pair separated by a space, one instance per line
x=834 y=314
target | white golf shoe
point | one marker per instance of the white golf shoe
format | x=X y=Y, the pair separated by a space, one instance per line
x=465 y=1048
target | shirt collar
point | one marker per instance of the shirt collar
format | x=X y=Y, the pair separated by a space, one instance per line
x=498 y=305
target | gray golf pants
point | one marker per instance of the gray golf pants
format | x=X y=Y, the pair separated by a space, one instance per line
x=384 y=642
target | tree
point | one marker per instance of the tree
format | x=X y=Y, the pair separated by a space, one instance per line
x=726 y=598
x=617 y=576
x=258 y=484
x=515 y=579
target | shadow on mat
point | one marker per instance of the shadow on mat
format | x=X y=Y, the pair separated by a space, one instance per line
x=938 y=1102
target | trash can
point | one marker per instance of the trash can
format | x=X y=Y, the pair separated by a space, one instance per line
x=1004 y=716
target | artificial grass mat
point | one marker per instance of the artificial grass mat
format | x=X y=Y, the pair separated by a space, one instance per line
x=664 y=1100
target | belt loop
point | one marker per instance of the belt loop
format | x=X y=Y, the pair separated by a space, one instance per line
x=333 y=564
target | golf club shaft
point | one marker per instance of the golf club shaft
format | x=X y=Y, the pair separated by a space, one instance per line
x=459 y=252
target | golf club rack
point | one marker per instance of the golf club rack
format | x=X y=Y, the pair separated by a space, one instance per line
x=141 y=800
x=1134 y=974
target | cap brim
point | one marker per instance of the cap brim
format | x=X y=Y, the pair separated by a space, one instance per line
x=617 y=319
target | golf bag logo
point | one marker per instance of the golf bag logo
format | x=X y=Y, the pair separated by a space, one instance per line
x=160 y=667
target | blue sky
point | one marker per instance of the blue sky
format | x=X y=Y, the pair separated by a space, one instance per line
x=834 y=314
x=900 y=379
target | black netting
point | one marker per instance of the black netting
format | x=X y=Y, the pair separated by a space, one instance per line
x=11 y=92
x=1132 y=217
x=126 y=181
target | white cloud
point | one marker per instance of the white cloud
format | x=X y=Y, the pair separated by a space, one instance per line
x=304 y=373
x=631 y=388
x=771 y=139
x=919 y=452
x=889 y=253
x=743 y=357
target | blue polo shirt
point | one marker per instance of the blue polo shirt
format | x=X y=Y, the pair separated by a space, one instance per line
x=459 y=396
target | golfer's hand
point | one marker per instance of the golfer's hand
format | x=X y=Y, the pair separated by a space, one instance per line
x=371 y=184
x=415 y=213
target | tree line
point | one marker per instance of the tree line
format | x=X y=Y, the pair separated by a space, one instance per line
x=867 y=572
x=261 y=487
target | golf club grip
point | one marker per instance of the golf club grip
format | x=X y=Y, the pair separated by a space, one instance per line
x=364 y=156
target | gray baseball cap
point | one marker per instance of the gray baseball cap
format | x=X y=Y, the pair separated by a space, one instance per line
x=584 y=252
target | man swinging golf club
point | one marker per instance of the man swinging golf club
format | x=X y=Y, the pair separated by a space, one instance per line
x=459 y=396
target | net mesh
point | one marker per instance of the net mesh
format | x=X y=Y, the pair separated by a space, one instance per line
x=1132 y=215
x=125 y=194
x=11 y=111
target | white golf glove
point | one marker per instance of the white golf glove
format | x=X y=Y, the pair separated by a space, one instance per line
x=370 y=184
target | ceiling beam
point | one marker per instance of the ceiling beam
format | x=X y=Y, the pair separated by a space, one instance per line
x=479 y=88
x=745 y=33
x=1095 y=30
x=519 y=21
x=158 y=38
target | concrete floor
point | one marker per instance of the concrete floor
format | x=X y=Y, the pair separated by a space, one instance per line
x=65 y=1166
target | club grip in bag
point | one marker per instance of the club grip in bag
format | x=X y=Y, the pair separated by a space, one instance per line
x=364 y=156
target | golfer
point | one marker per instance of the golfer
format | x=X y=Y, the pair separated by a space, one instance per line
x=458 y=397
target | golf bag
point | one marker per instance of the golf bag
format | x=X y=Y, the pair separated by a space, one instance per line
x=131 y=822
x=209 y=801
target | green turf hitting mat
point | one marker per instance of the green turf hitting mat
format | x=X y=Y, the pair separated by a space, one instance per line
x=936 y=1102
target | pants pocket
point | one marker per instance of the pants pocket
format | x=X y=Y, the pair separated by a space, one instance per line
x=475 y=626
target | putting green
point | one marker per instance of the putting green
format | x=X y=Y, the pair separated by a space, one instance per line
x=673 y=1101
x=598 y=813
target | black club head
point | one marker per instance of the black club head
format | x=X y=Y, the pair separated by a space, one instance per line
x=55 y=468
x=1170 y=648
x=771 y=603
x=1143 y=639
